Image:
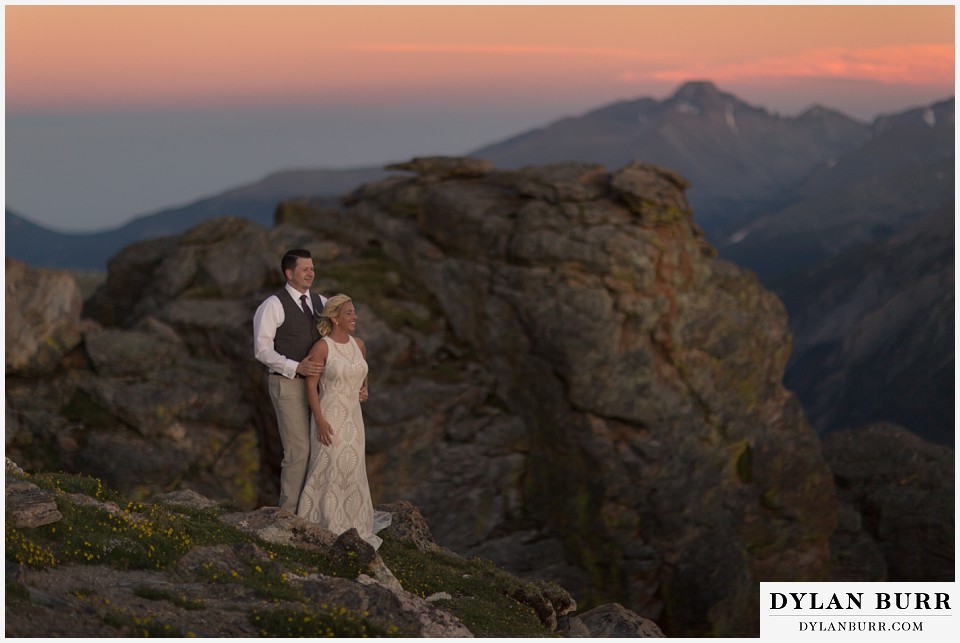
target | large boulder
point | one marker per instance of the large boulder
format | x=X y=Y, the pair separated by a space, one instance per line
x=902 y=490
x=140 y=411
x=42 y=318
x=615 y=621
x=643 y=445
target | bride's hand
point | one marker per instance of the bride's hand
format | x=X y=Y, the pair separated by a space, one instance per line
x=364 y=394
x=324 y=432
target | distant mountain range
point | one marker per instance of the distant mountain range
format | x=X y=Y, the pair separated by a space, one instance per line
x=874 y=332
x=39 y=246
x=817 y=205
x=743 y=163
x=902 y=173
x=737 y=157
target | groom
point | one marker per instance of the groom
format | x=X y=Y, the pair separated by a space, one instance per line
x=284 y=330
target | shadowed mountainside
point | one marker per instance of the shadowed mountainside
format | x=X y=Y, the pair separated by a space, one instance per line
x=868 y=193
x=874 y=333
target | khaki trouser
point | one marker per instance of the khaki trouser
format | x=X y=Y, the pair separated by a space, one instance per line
x=289 y=397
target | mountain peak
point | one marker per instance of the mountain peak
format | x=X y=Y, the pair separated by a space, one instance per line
x=817 y=112
x=700 y=96
x=697 y=90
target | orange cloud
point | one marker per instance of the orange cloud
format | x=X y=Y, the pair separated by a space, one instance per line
x=512 y=50
x=909 y=64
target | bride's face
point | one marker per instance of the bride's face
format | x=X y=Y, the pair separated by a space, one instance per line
x=347 y=317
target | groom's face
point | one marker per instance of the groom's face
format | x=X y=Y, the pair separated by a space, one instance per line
x=301 y=277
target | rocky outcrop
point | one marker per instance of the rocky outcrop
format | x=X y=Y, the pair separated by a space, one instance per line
x=565 y=379
x=900 y=489
x=163 y=390
x=647 y=429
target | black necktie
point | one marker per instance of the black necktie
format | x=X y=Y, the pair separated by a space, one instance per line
x=306 y=308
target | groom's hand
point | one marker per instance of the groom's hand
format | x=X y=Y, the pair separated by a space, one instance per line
x=307 y=367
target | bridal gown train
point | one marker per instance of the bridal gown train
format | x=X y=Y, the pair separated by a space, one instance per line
x=336 y=494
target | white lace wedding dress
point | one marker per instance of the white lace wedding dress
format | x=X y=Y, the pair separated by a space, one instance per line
x=336 y=494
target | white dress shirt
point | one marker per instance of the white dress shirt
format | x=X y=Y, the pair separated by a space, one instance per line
x=266 y=320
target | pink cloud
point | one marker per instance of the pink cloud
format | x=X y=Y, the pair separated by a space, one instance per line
x=909 y=64
x=534 y=50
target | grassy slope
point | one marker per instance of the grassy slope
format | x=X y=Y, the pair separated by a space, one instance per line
x=148 y=536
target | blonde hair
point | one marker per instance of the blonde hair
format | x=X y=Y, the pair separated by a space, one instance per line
x=330 y=310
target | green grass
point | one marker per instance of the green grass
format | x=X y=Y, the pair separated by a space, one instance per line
x=75 y=483
x=139 y=535
x=267 y=579
x=480 y=591
x=142 y=626
x=325 y=621
x=180 y=600
x=149 y=536
x=16 y=594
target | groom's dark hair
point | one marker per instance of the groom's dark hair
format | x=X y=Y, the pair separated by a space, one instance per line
x=289 y=261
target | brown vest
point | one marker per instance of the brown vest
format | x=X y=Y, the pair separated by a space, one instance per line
x=297 y=334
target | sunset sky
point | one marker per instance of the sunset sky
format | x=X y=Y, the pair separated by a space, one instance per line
x=114 y=112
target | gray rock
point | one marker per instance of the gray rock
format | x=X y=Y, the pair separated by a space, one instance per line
x=572 y=627
x=410 y=614
x=13 y=467
x=855 y=555
x=47 y=599
x=378 y=571
x=349 y=544
x=903 y=489
x=408 y=525
x=654 y=193
x=438 y=596
x=280 y=526
x=121 y=353
x=226 y=257
x=562 y=182
x=530 y=596
x=29 y=505
x=615 y=621
x=42 y=318
x=185 y=498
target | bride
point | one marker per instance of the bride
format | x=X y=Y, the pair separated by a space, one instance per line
x=336 y=494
